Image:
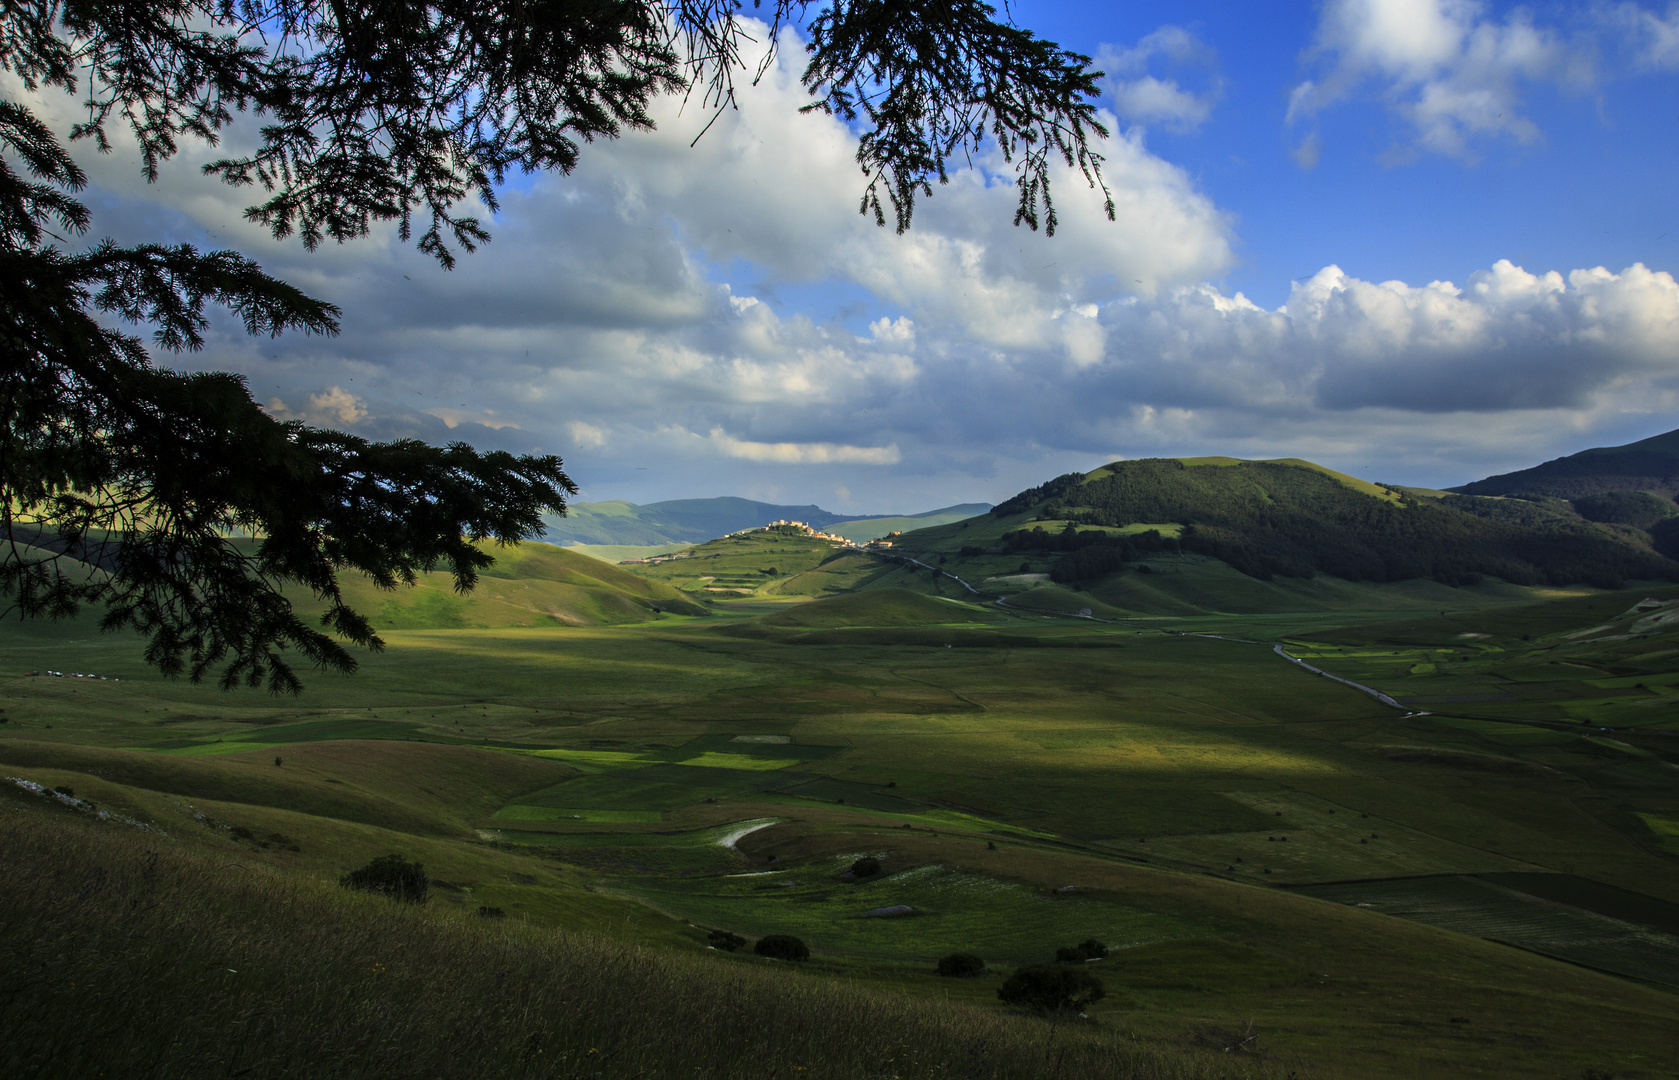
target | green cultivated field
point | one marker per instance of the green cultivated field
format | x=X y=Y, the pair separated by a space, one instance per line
x=1382 y=893
x=1006 y=921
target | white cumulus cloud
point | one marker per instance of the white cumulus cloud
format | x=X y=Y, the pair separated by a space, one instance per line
x=1452 y=72
x=1142 y=97
x=338 y=406
x=1654 y=37
x=1509 y=340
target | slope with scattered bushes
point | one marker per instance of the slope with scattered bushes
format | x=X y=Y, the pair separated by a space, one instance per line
x=121 y=949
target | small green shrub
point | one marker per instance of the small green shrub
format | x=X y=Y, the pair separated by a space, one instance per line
x=485 y=911
x=867 y=866
x=393 y=876
x=1088 y=949
x=961 y=965
x=724 y=940
x=782 y=947
x=1051 y=988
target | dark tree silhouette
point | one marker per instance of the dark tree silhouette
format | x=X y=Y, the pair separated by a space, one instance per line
x=173 y=501
x=1052 y=988
x=1088 y=949
x=782 y=947
x=961 y=966
x=393 y=876
x=725 y=940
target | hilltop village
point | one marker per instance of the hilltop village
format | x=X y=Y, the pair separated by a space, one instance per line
x=790 y=528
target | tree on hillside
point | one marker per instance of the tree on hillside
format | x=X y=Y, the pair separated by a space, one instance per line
x=1052 y=989
x=129 y=486
x=393 y=876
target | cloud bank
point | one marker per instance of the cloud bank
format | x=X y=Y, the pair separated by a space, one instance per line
x=719 y=319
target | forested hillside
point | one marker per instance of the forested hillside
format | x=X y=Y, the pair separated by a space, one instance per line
x=1649 y=465
x=1296 y=520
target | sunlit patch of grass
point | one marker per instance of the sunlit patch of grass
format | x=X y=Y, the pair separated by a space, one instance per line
x=1666 y=830
x=748 y=762
x=598 y=758
x=972 y=822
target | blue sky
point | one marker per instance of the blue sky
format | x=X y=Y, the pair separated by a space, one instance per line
x=1294 y=180
x=1596 y=185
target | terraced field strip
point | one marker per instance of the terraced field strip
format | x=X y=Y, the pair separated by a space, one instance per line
x=1486 y=909
x=1314 y=839
x=747 y=762
x=597 y=759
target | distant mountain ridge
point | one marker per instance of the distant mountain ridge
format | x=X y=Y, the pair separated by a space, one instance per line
x=694 y=521
x=1650 y=465
x=1294 y=519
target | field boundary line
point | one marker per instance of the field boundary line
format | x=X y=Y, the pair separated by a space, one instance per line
x=1377 y=694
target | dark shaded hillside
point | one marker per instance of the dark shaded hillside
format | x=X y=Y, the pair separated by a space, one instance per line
x=1650 y=465
x=694 y=521
x=1297 y=520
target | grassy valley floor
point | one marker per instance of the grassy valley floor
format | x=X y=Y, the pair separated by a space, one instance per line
x=1221 y=816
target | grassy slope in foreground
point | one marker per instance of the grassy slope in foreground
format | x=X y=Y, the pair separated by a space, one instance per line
x=196 y=967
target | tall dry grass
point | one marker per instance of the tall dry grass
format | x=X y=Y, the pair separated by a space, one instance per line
x=123 y=956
